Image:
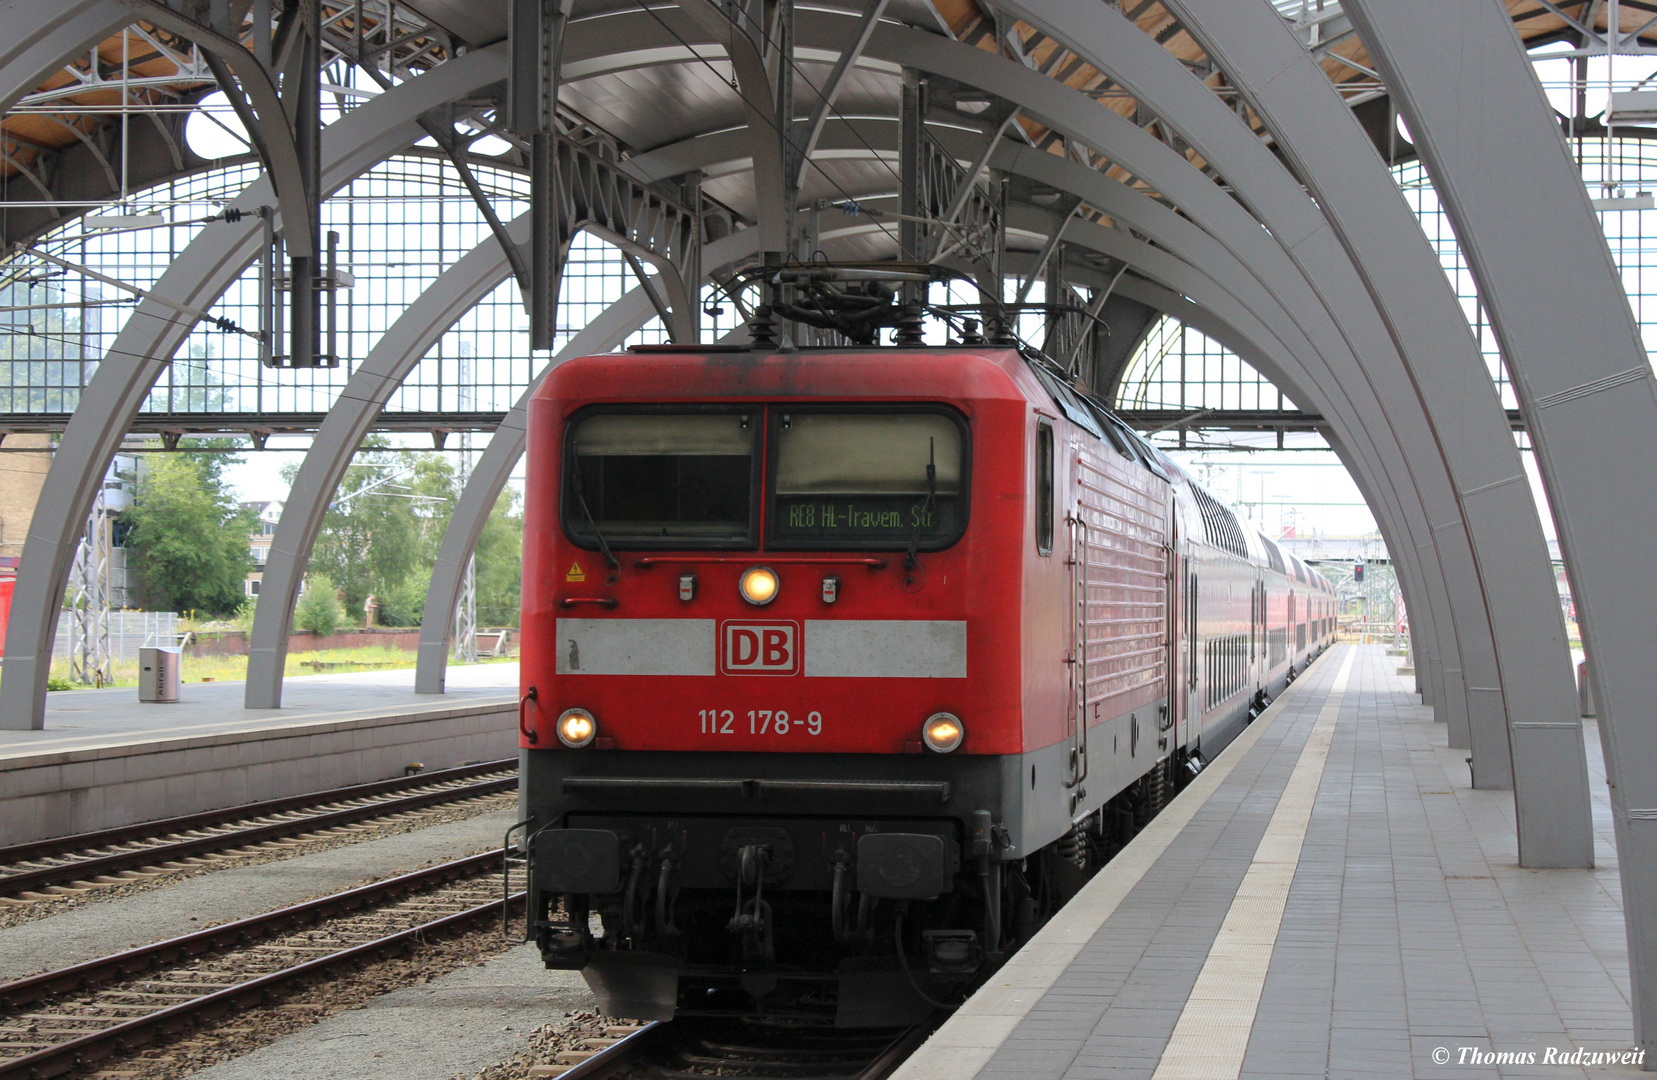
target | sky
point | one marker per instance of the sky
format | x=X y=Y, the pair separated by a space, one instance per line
x=257 y=475
x=1309 y=490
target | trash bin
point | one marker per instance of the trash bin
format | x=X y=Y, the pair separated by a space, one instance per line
x=158 y=670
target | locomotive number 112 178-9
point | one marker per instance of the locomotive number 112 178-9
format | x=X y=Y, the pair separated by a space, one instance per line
x=760 y=722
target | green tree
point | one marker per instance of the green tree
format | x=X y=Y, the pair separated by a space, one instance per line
x=380 y=537
x=377 y=531
x=404 y=605
x=189 y=538
x=500 y=563
x=319 y=609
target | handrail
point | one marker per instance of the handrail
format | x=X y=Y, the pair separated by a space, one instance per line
x=523 y=707
x=1078 y=671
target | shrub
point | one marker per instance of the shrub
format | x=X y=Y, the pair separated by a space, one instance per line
x=404 y=605
x=319 y=609
x=244 y=615
x=57 y=682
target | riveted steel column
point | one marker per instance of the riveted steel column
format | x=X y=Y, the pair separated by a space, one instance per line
x=1499 y=165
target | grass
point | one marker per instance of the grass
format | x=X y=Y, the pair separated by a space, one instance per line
x=234 y=668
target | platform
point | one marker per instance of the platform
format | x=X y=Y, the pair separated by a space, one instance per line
x=106 y=759
x=1330 y=898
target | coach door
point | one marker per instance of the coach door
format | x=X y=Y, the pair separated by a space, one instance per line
x=1174 y=683
x=1191 y=683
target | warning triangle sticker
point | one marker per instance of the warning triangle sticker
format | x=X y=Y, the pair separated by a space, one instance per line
x=576 y=573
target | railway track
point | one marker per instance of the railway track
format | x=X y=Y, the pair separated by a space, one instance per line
x=44 y=868
x=71 y=1017
x=696 y=1048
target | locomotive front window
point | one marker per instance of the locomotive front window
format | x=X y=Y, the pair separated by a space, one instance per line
x=654 y=479
x=864 y=479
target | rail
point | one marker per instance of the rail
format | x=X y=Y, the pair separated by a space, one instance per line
x=46 y=1056
x=87 y=856
x=698 y=1046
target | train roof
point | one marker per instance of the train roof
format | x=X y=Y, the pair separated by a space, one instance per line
x=713 y=372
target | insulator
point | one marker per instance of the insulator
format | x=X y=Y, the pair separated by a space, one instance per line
x=909 y=327
x=762 y=329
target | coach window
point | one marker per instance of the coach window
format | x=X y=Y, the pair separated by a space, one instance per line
x=661 y=479
x=1044 y=488
x=864 y=479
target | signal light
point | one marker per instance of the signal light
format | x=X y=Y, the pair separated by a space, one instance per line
x=942 y=732
x=576 y=728
x=759 y=585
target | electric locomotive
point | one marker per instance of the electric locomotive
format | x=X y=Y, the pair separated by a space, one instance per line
x=842 y=668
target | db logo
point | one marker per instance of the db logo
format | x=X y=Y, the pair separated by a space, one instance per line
x=759 y=648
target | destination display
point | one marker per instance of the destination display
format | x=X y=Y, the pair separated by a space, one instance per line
x=847 y=479
x=887 y=518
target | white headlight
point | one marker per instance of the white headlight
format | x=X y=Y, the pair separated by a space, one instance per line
x=576 y=728
x=943 y=732
x=759 y=585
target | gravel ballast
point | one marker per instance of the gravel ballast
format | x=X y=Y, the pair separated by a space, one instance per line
x=121 y=921
x=455 y=1024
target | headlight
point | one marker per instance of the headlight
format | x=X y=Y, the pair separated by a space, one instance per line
x=942 y=732
x=759 y=585
x=576 y=728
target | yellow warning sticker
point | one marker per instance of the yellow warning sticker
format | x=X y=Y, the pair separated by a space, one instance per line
x=576 y=573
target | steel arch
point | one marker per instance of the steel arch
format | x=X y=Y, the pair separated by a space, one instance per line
x=1262 y=253
x=1361 y=202
x=200 y=274
x=1165 y=87
x=1581 y=371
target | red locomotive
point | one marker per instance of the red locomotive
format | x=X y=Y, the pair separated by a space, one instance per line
x=843 y=667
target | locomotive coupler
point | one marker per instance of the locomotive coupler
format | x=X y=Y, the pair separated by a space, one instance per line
x=633 y=906
x=840 y=903
x=985 y=834
x=753 y=917
x=666 y=894
x=567 y=946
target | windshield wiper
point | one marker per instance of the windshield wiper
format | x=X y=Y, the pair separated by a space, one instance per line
x=909 y=560
x=581 y=501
